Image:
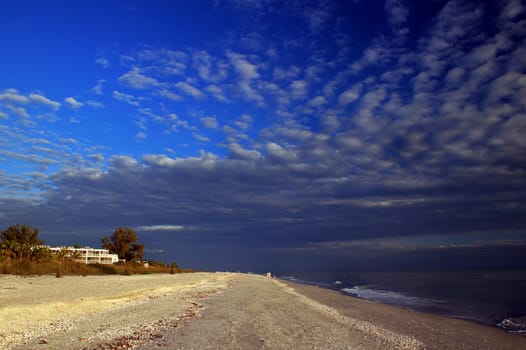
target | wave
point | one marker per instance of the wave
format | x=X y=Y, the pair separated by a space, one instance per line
x=295 y=279
x=381 y=296
x=449 y=307
x=516 y=325
x=392 y=298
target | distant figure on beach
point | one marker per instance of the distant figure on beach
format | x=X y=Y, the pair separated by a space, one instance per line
x=269 y=275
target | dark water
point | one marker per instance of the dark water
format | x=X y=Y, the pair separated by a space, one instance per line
x=496 y=298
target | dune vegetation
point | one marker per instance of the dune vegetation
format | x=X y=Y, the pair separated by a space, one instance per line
x=23 y=253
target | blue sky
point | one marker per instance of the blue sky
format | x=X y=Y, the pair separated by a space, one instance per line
x=264 y=133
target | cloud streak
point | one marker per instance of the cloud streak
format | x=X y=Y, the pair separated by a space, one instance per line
x=157 y=228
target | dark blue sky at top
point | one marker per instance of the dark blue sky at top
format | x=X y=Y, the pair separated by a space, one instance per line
x=269 y=134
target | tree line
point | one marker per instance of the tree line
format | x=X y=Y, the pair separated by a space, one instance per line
x=20 y=245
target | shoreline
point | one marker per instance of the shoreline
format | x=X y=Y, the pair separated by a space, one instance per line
x=435 y=330
x=220 y=311
x=412 y=309
x=509 y=321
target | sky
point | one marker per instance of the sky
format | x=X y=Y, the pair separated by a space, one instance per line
x=263 y=134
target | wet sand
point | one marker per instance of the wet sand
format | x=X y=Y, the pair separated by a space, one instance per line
x=217 y=311
x=436 y=332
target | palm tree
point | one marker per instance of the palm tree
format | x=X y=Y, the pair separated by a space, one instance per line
x=41 y=253
x=63 y=253
x=75 y=255
x=20 y=240
x=3 y=250
x=25 y=249
x=11 y=249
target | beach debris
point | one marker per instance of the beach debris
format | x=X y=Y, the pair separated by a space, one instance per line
x=154 y=334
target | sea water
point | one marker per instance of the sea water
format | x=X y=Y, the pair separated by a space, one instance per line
x=496 y=298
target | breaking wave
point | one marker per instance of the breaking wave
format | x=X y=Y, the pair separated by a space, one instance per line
x=516 y=325
x=390 y=297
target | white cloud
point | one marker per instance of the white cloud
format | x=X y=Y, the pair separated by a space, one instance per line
x=295 y=133
x=247 y=72
x=239 y=152
x=513 y=9
x=39 y=141
x=30 y=158
x=3 y=116
x=317 y=101
x=136 y=80
x=69 y=140
x=245 y=69
x=96 y=157
x=170 y=95
x=97 y=89
x=247 y=118
x=350 y=95
x=200 y=137
x=206 y=160
x=122 y=162
x=454 y=75
x=132 y=100
x=189 y=89
x=202 y=63
x=44 y=100
x=140 y=136
x=94 y=104
x=330 y=123
x=244 y=121
x=161 y=228
x=286 y=73
x=48 y=117
x=396 y=11
x=73 y=103
x=353 y=143
x=217 y=92
x=250 y=93
x=164 y=63
x=210 y=122
x=299 y=89
x=160 y=159
x=12 y=96
x=275 y=150
x=103 y=62
x=18 y=111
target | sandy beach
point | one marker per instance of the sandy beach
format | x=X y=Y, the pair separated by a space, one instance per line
x=217 y=311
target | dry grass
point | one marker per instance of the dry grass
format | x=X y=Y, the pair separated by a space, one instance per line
x=68 y=267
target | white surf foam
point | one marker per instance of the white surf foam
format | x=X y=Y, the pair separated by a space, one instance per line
x=390 y=297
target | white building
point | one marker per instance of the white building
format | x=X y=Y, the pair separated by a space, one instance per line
x=88 y=255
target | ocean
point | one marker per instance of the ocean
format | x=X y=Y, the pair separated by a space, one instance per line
x=491 y=297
